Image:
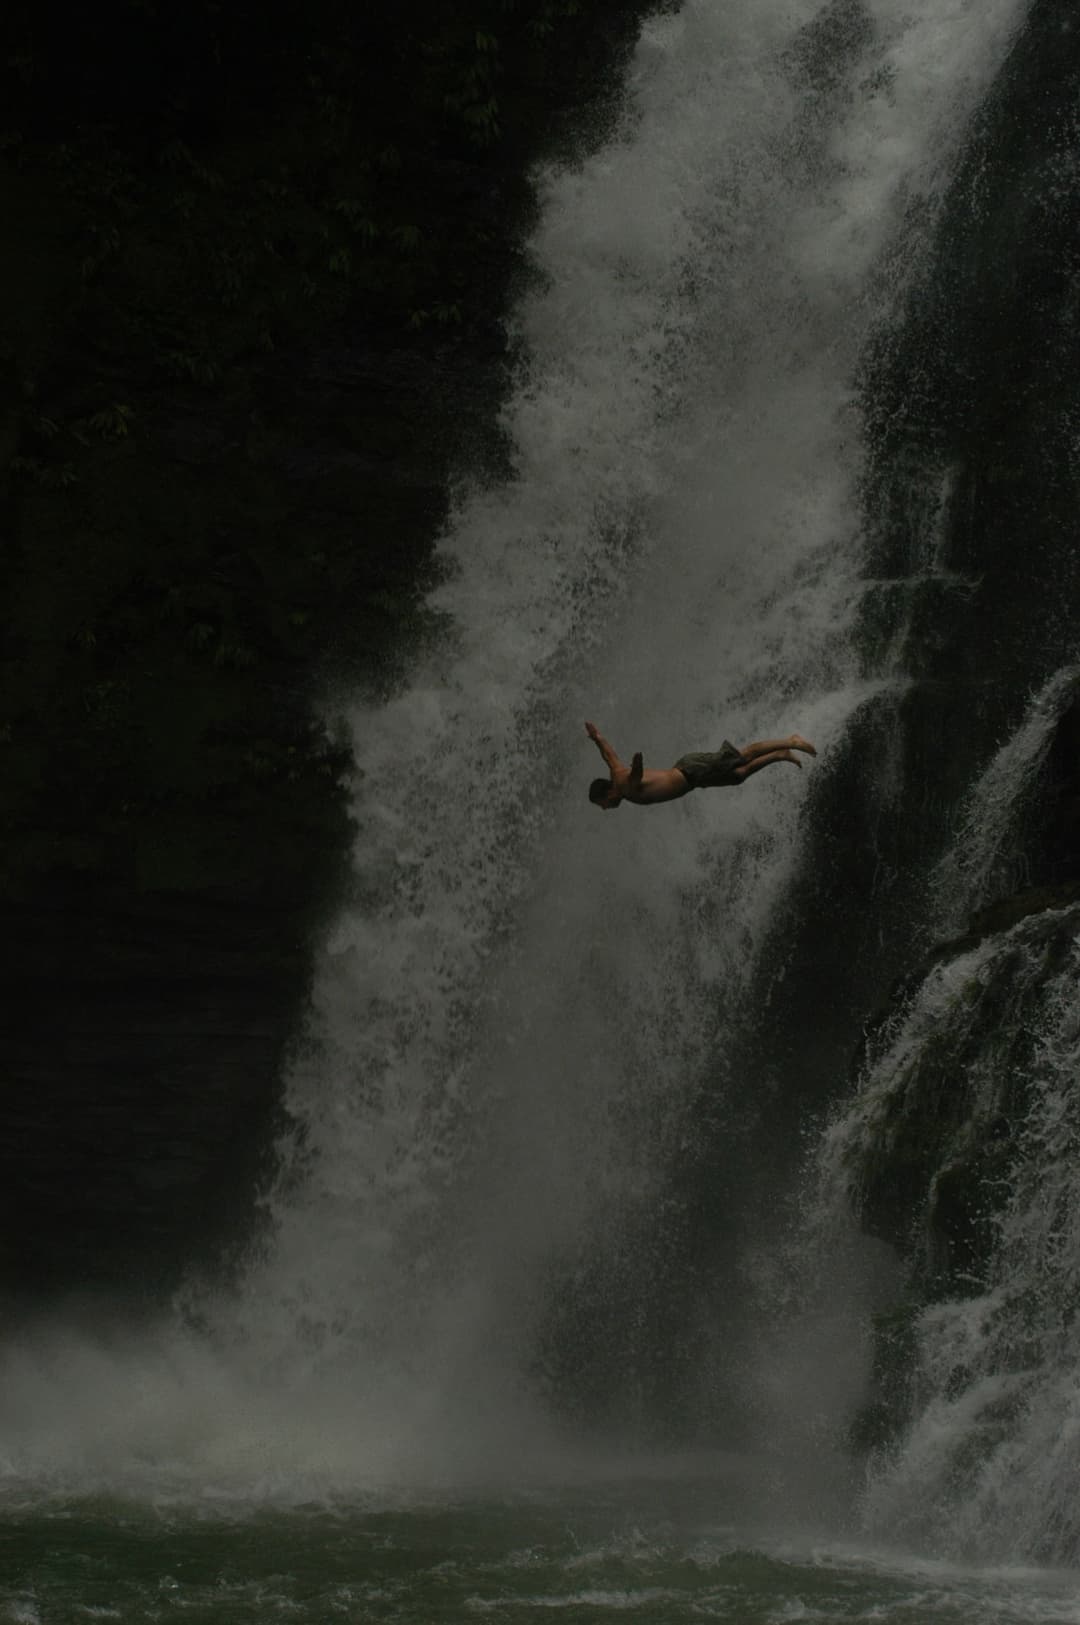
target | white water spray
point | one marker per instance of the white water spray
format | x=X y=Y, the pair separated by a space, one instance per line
x=508 y=1025
x=980 y=863
x=987 y=1466
x=974 y=1081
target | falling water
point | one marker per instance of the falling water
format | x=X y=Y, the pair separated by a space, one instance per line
x=510 y=1025
x=520 y=999
x=986 y=1464
x=985 y=858
x=971 y=1085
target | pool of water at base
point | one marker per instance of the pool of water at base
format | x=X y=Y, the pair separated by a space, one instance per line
x=658 y=1555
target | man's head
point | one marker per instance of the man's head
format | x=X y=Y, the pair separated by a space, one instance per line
x=599 y=793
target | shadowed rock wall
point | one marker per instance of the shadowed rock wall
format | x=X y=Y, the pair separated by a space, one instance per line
x=250 y=317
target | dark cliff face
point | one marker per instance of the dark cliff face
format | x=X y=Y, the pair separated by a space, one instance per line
x=251 y=320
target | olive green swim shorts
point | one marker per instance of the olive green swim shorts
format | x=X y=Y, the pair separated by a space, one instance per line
x=706 y=769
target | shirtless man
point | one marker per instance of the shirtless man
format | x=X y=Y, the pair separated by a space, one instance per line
x=701 y=770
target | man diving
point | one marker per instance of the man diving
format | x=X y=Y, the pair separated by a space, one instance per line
x=700 y=770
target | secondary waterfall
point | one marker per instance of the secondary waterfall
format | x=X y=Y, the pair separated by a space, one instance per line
x=521 y=1001
x=971 y=1087
x=984 y=861
x=989 y=1464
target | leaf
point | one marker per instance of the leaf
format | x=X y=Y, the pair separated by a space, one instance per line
x=199 y=635
x=112 y=422
x=199 y=369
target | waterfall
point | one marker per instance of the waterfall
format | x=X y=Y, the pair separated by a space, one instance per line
x=958 y=1148
x=986 y=1462
x=984 y=859
x=509 y=1026
x=520 y=999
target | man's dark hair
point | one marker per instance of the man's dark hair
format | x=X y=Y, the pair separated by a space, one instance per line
x=599 y=790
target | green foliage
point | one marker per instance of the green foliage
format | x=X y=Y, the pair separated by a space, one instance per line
x=52 y=476
x=112 y=422
x=354 y=212
x=442 y=314
x=195 y=368
x=179 y=158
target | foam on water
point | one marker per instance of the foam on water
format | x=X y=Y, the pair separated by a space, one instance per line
x=510 y=1562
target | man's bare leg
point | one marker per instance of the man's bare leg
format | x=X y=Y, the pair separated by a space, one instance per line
x=756 y=763
x=768 y=747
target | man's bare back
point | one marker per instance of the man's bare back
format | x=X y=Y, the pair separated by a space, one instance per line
x=699 y=770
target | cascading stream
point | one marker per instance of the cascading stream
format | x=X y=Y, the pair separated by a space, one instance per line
x=982 y=860
x=985 y=1466
x=512 y=1016
x=969 y=1092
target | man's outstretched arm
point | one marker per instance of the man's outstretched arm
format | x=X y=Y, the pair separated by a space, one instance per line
x=608 y=752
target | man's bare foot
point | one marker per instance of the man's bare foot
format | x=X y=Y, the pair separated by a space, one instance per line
x=797 y=742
